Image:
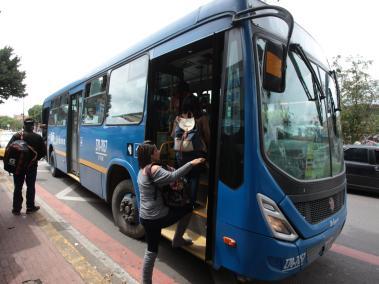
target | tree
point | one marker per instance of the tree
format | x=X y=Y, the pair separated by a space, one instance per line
x=11 y=78
x=11 y=123
x=36 y=113
x=359 y=94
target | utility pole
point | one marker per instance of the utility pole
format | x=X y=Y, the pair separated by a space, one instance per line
x=23 y=117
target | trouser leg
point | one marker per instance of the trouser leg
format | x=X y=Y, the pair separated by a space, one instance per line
x=153 y=235
x=180 y=229
x=31 y=176
x=18 y=181
x=194 y=184
x=148 y=266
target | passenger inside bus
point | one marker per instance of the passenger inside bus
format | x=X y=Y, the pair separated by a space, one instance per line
x=91 y=116
x=191 y=109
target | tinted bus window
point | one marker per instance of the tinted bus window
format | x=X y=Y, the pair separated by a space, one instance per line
x=126 y=94
x=232 y=123
x=52 y=117
x=94 y=103
x=62 y=111
x=97 y=87
x=62 y=115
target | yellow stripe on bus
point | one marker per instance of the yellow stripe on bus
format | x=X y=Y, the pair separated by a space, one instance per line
x=60 y=153
x=93 y=166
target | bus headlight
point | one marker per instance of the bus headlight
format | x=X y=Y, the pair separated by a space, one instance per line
x=278 y=224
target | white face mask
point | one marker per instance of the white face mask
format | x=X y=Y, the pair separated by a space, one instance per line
x=187 y=124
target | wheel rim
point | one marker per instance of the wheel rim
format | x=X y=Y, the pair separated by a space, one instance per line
x=129 y=210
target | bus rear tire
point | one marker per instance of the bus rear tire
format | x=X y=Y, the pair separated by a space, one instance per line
x=125 y=210
x=53 y=166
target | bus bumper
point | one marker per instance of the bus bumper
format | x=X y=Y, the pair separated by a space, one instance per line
x=265 y=258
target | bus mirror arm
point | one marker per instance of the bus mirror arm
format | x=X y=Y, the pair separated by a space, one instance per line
x=275 y=54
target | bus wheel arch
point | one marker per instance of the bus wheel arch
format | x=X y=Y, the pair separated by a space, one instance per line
x=55 y=172
x=116 y=174
x=125 y=210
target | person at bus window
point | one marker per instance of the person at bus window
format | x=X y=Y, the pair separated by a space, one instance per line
x=191 y=108
x=30 y=174
x=91 y=116
x=154 y=214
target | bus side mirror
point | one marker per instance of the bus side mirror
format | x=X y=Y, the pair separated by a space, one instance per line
x=274 y=68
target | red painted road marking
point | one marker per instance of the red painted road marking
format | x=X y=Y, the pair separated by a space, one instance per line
x=356 y=254
x=126 y=258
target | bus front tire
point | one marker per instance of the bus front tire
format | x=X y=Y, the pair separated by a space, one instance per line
x=125 y=210
x=53 y=166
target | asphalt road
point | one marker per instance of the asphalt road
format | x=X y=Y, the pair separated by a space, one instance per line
x=354 y=260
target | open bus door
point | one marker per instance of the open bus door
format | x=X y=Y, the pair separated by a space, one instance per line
x=199 y=66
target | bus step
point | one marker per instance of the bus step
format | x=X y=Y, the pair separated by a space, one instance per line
x=74 y=177
x=199 y=242
x=201 y=211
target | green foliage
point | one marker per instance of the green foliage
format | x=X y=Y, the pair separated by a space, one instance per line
x=13 y=124
x=11 y=77
x=36 y=113
x=359 y=98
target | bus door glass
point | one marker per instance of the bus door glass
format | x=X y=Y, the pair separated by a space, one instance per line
x=232 y=117
x=73 y=134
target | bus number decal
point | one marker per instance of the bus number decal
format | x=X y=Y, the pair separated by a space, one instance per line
x=294 y=262
x=101 y=149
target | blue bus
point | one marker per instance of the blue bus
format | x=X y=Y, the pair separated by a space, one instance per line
x=273 y=198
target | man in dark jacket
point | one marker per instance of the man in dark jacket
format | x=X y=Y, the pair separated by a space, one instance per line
x=30 y=174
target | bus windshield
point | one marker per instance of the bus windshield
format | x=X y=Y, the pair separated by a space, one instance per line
x=298 y=133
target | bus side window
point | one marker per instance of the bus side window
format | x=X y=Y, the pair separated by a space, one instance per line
x=126 y=95
x=94 y=103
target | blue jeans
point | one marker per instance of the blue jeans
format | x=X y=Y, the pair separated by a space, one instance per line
x=30 y=176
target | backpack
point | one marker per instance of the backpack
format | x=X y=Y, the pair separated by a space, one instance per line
x=174 y=194
x=19 y=156
x=187 y=136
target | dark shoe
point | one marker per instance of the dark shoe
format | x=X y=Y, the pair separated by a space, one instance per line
x=16 y=212
x=32 y=210
x=182 y=242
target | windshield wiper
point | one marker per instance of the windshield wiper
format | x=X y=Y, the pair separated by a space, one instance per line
x=338 y=102
x=299 y=50
x=301 y=78
x=315 y=82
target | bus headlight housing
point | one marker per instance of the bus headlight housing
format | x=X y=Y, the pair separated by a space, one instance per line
x=278 y=224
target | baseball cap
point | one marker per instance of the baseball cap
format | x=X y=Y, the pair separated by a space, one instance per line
x=29 y=122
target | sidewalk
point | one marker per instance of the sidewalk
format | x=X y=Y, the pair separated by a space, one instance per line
x=27 y=255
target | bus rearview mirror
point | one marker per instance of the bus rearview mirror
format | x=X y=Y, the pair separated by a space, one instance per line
x=274 y=76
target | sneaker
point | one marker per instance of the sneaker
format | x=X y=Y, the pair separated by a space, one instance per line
x=181 y=243
x=32 y=210
x=16 y=212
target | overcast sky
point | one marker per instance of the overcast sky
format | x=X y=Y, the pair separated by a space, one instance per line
x=60 y=41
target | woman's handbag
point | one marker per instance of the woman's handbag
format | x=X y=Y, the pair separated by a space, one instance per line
x=174 y=194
